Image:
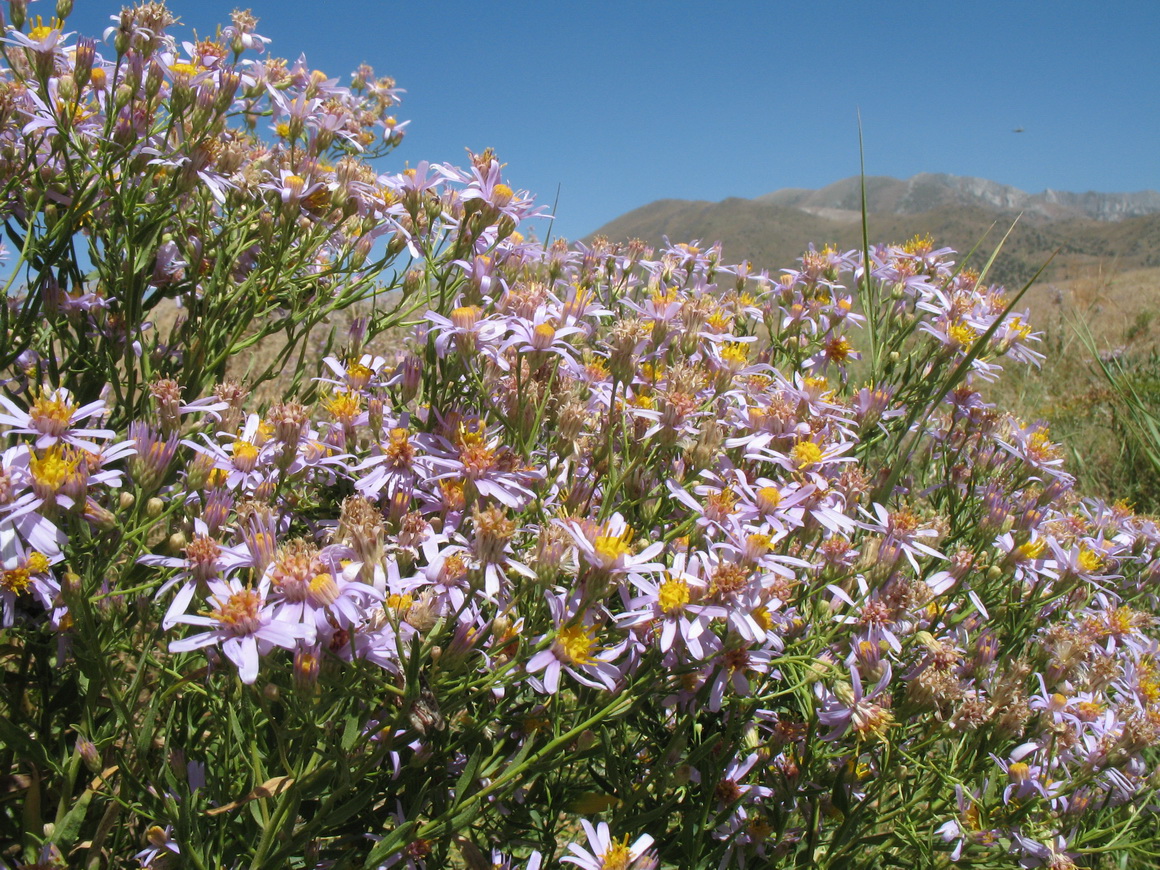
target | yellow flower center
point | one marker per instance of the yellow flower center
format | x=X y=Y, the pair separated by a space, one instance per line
x=768 y=498
x=762 y=617
x=501 y=195
x=806 y=453
x=673 y=595
x=610 y=548
x=42 y=31
x=358 y=375
x=919 y=244
x=344 y=407
x=466 y=316
x=51 y=470
x=735 y=355
x=51 y=414
x=544 y=335
x=1032 y=549
x=240 y=611
x=323 y=589
x=1089 y=560
x=962 y=335
x=15 y=580
x=618 y=856
x=400 y=603
x=575 y=644
x=245 y=456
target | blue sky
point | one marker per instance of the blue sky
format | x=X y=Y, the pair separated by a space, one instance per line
x=621 y=103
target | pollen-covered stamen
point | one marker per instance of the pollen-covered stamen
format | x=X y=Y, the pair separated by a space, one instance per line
x=768 y=498
x=241 y=612
x=610 y=550
x=201 y=557
x=323 y=590
x=52 y=414
x=358 y=375
x=673 y=595
x=245 y=456
x=1040 y=447
x=762 y=617
x=344 y=407
x=15 y=580
x=36 y=563
x=728 y=579
x=962 y=335
x=292 y=187
x=720 y=505
x=838 y=349
x=400 y=604
x=870 y=718
x=575 y=644
x=618 y=856
x=477 y=459
x=501 y=195
x=53 y=469
x=453 y=494
x=453 y=570
x=493 y=530
x=1031 y=550
x=735 y=355
x=41 y=31
x=294 y=568
x=1089 y=560
x=756 y=546
x=543 y=336
x=466 y=316
x=398 y=450
x=805 y=454
x=1019 y=772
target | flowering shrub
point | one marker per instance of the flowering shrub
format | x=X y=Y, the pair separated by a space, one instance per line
x=629 y=559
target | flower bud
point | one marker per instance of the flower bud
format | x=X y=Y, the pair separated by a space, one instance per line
x=16 y=12
x=86 y=53
x=176 y=543
x=154 y=79
x=87 y=750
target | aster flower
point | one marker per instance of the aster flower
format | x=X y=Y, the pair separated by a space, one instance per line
x=608 y=547
x=242 y=622
x=52 y=418
x=205 y=559
x=605 y=853
x=667 y=607
x=851 y=707
x=574 y=649
x=25 y=572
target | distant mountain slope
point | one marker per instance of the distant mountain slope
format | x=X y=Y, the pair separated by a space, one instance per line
x=927 y=191
x=772 y=231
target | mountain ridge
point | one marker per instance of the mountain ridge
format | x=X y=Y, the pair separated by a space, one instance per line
x=928 y=190
x=771 y=231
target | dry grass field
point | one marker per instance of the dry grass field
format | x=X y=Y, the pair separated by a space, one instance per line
x=1120 y=309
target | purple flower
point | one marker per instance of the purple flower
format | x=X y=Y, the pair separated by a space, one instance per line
x=242 y=623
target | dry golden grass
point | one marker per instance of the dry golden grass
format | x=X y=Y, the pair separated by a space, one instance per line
x=1119 y=310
